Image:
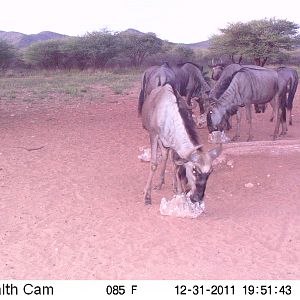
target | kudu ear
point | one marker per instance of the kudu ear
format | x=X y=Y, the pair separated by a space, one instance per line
x=214 y=153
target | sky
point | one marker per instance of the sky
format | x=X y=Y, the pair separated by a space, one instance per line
x=179 y=21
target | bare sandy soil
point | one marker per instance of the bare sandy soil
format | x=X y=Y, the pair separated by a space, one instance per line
x=71 y=204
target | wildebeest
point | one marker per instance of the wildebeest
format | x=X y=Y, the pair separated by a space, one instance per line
x=224 y=74
x=187 y=78
x=152 y=78
x=196 y=86
x=248 y=86
x=288 y=78
x=168 y=120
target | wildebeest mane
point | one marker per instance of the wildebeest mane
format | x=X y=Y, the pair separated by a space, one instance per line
x=186 y=116
x=188 y=62
x=226 y=82
x=142 y=96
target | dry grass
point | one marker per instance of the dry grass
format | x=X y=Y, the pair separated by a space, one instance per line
x=44 y=86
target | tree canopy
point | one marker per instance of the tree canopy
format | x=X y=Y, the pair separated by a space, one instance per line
x=7 y=54
x=258 y=40
x=137 y=47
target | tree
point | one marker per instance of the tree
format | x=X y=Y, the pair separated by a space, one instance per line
x=138 y=46
x=46 y=54
x=100 y=47
x=75 y=54
x=7 y=54
x=258 y=40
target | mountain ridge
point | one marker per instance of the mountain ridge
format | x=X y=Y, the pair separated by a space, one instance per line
x=22 y=40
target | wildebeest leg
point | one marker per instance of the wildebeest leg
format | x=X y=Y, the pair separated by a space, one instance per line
x=249 y=119
x=189 y=95
x=290 y=117
x=153 y=167
x=277 y=115
x=177 y=185
x=238 y=126
x=283 y=115
x=165 y=155
x=272 y=103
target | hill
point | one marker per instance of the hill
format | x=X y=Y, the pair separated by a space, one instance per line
x=21 y=40
x=199 y=45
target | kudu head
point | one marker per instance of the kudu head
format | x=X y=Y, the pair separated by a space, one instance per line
x=195 y=170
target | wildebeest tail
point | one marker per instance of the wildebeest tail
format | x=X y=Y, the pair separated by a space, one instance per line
x=142 y=95
x=292 y=92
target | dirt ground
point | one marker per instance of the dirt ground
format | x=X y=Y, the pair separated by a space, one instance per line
x=71 y=203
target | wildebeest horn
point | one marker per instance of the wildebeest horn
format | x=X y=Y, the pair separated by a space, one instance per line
x=214 y=153
x=194 y=104
x=193 y=150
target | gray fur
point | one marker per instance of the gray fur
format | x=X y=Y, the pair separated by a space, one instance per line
x=166 y=118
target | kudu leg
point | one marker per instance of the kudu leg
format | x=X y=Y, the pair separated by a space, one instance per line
x=165 y=155
x=153 y=167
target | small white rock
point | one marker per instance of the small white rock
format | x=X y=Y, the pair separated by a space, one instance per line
x=230 y=163
x=249 y=185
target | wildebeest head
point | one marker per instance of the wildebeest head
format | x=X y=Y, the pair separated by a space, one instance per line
x=217 y=71
x=218 y=122
x=260 y=108
x=195 y=172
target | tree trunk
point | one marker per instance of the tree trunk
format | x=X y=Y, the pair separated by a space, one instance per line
x=264 y=61
x=257 y=61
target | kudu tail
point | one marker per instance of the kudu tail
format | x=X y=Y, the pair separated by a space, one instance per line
x=142 y=95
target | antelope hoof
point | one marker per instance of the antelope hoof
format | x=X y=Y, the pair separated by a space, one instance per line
x=235 y=138
x=283 y=133
x=148 y=201
x=250 y=138
x=147 y=198
x=158 y=186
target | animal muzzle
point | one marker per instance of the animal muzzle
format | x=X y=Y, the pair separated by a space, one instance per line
x=196 y=197
x=197 y=194
x=210 y=125
x=260 y=108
